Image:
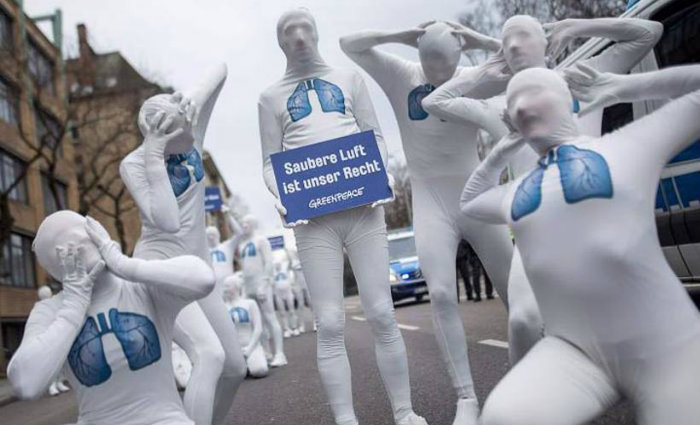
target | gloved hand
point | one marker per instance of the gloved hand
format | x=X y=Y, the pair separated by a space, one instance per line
x=109 y=250
x=283 y=212
x=157 y=138
x=391 y=182
x=559 y=34
x=247 y=350
x=596 y=89
x=261 y=294
x=77 y=283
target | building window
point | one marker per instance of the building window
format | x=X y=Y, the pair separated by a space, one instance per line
x=40 y=67
x=17 y=262
x=12 y=333
x=11 y=169
x=48 y=130
x=9 y=99
x=53 y=203
x=5 y=31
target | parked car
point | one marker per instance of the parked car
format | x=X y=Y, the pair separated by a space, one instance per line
x=405 y=275
x=678 y=195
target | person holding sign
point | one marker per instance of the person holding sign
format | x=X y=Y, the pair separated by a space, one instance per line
x=313 y=103
x=258 y=271
x=165 y=176
x=440 y=157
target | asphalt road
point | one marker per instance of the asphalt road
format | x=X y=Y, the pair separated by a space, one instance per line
x=293 y=394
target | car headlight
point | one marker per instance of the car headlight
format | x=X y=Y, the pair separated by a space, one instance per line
x=392 y=277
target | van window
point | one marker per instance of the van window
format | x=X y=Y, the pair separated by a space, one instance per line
x=680 y=45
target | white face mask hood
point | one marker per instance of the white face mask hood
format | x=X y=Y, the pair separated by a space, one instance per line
x=297 y=36
x=540 y=107
x=524 y=43
x=60 y=229
x=439 y=51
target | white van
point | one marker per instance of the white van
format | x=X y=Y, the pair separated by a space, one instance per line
x=678 y=197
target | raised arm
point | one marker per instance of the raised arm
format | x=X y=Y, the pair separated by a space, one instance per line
x=633 y=38
x=52 y=327
x=204 y=97
x=185 y=276
x=600 y=90
x=482 y=197
x=148 y=182
x=653 y=140
x=455 y=100
x=384 y=67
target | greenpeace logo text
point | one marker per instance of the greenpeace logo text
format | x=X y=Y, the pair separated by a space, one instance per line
x=336 y=197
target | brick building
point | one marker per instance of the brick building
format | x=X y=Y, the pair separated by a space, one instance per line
x=36 y=160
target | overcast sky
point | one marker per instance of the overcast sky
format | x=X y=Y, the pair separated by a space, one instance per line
x=174 y=41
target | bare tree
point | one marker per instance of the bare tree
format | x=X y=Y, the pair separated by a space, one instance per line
x=488 y=16
x=400 y=212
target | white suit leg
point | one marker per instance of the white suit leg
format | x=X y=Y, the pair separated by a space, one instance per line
x=270 y=321
x=367 y=249
x=195 y=335
x=555 y=384
x=257 y=364
x=321 y=254
x=525 y=326
x=234 y=368
x=436 y=243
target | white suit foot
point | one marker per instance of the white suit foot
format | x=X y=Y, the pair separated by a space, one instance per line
x=279 y=360
x=467 y=412
x=62 y=387
x=412 y=419
x=296 y=332
x=53 y=390
x=287 y=333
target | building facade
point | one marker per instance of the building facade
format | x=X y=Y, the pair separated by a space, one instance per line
x=36 y=161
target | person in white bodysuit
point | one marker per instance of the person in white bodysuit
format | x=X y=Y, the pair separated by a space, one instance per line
x=258 y=273
x=619 y=323
x=182 y=366
x=110 y=329
x=284 y=299
x=246 y=314
x=301 y=292
x=440 y=156
x=524 y=46
x=58 y=386
x=165 y=176
x=339 y=105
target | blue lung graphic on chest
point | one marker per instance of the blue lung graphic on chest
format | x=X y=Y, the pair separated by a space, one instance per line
x=584 y=174
x=279 y=277
x=249 y=250
x=239 y=315
x=136 y=334
x=329 y=96
x=415 y=97
x=182 y=167
x=218 y=256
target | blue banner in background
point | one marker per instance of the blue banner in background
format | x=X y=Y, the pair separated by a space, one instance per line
x=276 y=242
x=212 y=198
x=330 y=176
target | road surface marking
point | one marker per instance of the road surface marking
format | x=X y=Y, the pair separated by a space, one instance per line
x=401 y=326
x=494 y=343
x=408 y=327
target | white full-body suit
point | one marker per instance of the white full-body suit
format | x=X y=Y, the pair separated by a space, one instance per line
x=258 y=271
x=167 y=183
x=341 y=108
x=284 y=299
x=112 y=339
x=246 y=314
x=524 y=46
x=301 y=292
x=440 y=157
x=619 y=323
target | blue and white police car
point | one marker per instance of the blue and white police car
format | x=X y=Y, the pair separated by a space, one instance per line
x=405 y=275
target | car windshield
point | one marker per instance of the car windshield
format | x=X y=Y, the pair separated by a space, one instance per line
x=402 y=248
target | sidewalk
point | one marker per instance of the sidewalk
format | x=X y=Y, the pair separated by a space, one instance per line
x=6 y=394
